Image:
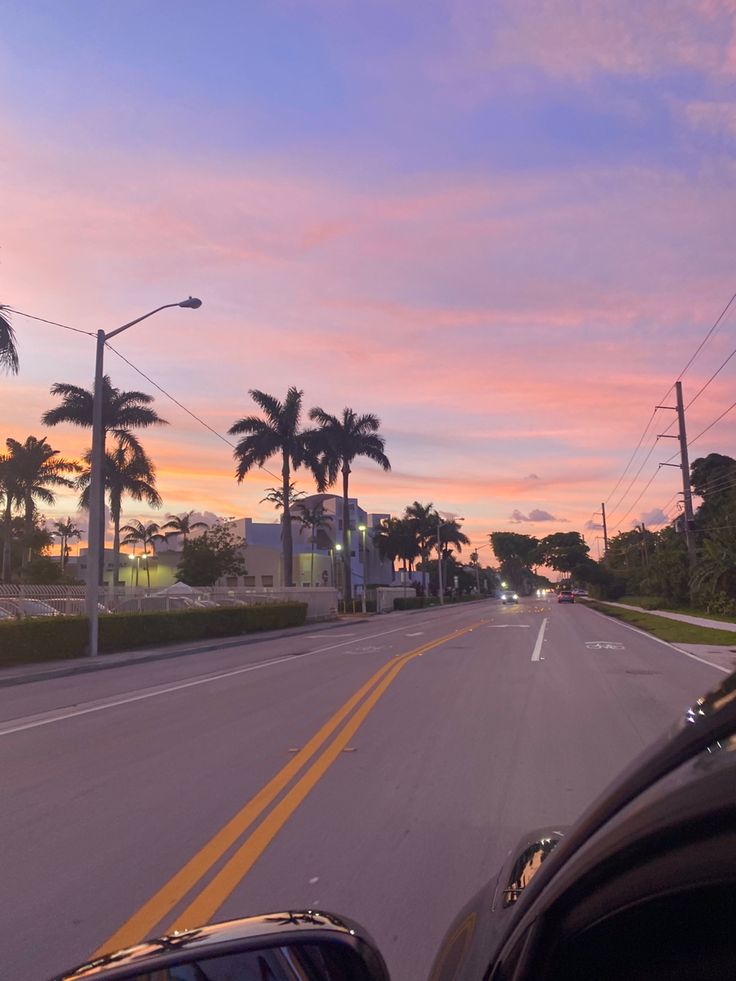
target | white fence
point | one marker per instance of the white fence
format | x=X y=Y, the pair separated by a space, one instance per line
x=17 y=600
x=385 y=596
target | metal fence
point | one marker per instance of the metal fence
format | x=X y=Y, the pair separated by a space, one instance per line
x=31 y=601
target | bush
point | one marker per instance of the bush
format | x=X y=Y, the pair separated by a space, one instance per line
x=415 y=602
x=42 y=639
x=653 y=603
x=55 y=638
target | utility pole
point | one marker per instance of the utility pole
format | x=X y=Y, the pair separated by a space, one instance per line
x=685 y=466
x=605 y=529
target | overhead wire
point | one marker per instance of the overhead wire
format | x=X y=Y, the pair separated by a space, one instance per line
x=182 y=406
x=689 y=363
x=54 y=323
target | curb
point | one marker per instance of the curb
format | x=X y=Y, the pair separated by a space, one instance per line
x=140 y=656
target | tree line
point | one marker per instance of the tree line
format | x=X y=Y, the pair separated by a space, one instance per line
x=656 y=566
x=651 y=565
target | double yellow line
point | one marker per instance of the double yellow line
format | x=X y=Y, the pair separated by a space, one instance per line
x=208 y=900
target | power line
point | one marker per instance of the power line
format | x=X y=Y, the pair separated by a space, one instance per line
x=724 y=413
x=641 y=440
x=42 y=320
x=643 y=492
x=707 y=337
x=635 y=477
x=182 y=406
x=697 y=351
x=715 y=373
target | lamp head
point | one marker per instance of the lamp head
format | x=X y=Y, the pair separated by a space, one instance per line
x=193 y=303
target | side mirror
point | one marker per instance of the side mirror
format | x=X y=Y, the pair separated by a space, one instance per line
x=292 y=946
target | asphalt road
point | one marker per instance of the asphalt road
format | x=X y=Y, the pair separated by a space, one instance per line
x=381 y=770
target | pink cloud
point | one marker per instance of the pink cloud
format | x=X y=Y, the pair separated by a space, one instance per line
x=565 y=38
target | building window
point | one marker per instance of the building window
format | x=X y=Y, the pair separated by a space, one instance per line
x=249 y=580
x=231 y=580
x=306 y=585
x=266 y=580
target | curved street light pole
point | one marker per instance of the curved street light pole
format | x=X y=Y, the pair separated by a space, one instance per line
x=95 y=537
x=440 y=526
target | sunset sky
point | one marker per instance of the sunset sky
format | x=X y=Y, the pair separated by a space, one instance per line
x=504 y=227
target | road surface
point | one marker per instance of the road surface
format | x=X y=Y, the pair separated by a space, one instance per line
x=381 y=770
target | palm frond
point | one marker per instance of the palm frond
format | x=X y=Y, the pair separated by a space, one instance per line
x=9 y=360
x=269 y=403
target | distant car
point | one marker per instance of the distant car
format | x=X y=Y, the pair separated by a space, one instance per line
x=566 y=596
x=73 y=607
x=22 y=607
x=508 y=597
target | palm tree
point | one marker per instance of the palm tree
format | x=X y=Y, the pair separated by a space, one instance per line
x=37 y=467
x=423 y=518
x=453 y=535
x=340 y=440
x=65 y=531
x=275 y=496
x=146 y=534
x=11 y=496
x=314 y=518
x=8 y=348
x=122 y=412
x=396 y=539
x=182 y=524
x=126 y=471
x=278 y=434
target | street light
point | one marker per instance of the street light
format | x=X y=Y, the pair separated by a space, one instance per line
x=335 y=548
x=362 y=529
x=96 y=543
x=440 y=526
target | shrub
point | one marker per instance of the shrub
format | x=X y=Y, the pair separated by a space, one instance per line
x=653 y=603
x=42 y=639
x=54 y=638
x=415 y=602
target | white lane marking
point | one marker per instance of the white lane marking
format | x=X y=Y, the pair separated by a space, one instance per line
x=74 y=713
x=604 y=645
x=540 y=637
x=322 y=636
x=417 y=634
x=60 y=716
x=666 y=643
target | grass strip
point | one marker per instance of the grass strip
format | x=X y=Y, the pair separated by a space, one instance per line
x=673 y=631
x=691 y=611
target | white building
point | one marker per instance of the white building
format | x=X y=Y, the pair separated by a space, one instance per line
x=318 y=563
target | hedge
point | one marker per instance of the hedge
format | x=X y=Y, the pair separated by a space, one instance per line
x=415 y=602
x=418 y=602
x=57 y=638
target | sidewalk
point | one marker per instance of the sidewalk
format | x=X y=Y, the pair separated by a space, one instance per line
x=20 y=674
x=684 y=617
